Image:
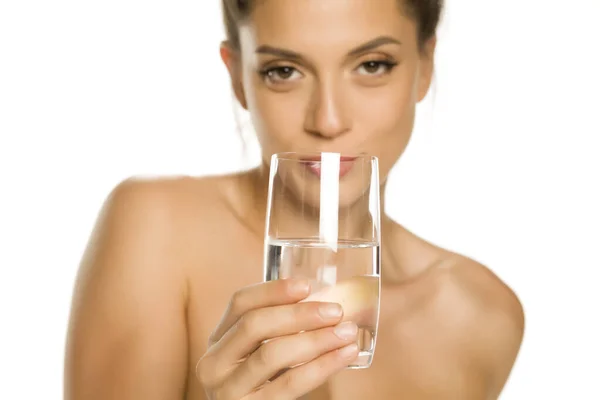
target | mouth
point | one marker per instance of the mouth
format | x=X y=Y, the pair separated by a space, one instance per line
x=314 y=164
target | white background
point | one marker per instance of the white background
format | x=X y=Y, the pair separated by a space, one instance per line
x=503 y=166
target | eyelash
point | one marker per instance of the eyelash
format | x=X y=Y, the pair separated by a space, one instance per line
x=267 y=72
x=387 y=65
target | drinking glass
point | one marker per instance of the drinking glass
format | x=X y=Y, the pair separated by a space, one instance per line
x=323 y=224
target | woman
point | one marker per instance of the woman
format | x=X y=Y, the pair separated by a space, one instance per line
x=168 y=303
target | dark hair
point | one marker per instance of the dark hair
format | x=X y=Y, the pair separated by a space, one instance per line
x=426 y=13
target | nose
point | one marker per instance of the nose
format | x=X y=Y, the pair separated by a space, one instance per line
x=327 y=113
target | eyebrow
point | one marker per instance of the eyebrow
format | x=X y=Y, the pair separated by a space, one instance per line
x=278 y=52
x=363 y=48
x=373 y=44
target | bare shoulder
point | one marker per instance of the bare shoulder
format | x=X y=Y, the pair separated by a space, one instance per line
x=485 y=294
x=172 y=194
x=168 y=206
x=154 y=215
x=128 y=313
x=169 y=216
x=485 y=315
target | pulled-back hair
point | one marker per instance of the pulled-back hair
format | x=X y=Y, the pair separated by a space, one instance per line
x=426 y=13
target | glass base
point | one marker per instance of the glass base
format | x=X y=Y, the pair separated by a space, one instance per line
x=363 y=361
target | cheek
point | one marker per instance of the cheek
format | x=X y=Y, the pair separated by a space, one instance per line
x=389 y=109
x=277 y=117
x=382 y=111
x=387 y=116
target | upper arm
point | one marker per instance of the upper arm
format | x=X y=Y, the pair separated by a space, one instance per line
x=494 y=328
x=127 y=334
x=501 y=334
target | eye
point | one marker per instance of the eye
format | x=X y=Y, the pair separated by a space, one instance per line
x=280 y=74
x=376 y=68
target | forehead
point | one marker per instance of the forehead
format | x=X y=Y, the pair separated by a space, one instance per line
x=325 y=23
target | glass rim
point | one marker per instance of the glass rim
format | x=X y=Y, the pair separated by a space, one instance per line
x=298 y=155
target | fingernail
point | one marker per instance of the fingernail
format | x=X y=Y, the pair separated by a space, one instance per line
x=330 y=310
x=299 y=288
x=348 y=351
x=346 y=330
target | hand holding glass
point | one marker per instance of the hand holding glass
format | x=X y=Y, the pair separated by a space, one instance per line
x=323 y=224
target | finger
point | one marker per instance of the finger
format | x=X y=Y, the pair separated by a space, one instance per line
x=277 y=355
x=298 y=381
x=358 y=296
x=266 y=294
x=266 y=323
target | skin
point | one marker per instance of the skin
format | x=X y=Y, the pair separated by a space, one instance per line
x=168 y=302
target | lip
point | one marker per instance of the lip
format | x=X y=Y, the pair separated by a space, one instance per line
x=318 y=158
x=313 y=165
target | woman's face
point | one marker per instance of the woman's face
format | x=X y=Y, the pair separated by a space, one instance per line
x=331 y=75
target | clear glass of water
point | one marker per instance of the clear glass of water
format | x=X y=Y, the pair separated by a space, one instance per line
x=323 y=224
